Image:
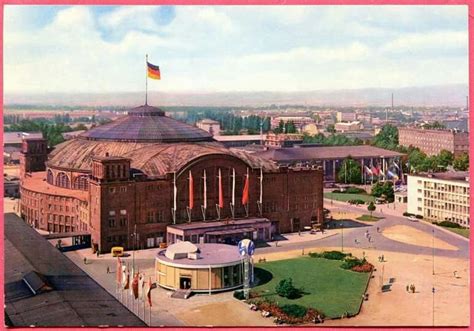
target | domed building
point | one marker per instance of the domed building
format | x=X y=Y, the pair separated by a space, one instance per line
x=126 y=182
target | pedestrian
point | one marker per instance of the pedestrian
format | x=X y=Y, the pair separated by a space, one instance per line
x=455 y=274
x=85 y=260
x=383 y=258
x=408 y=288
x=378 y=229
x=414 y=289
x=108 y=270
x=98 y=253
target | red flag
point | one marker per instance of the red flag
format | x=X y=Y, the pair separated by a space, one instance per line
x=119 y=271
x=148 y=294
x=135 y=286
x=191 y=191
x=245 y=194
x=221 y=195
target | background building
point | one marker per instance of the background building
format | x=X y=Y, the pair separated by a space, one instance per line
x=432 y=142
x=124 y=182
x=211 y=126
x=330 y=158
x=346 y=117
x=440 y=196
x=283 y=139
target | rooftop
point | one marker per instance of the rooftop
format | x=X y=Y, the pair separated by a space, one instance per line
x=69 y=298
x=209 y=254
x=16 y=137
x=242 y=137
x=326 y=153
x=147 y=124
x=462 y=176
x=36 y=182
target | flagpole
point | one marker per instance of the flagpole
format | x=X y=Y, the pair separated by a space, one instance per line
x=146 y=80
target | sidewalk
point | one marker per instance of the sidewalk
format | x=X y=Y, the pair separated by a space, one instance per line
x=383 y=209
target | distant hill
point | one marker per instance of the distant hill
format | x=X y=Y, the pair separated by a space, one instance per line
x=445 y=95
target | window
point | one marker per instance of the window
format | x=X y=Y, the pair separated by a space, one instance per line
x=111 y=189
x=112 y=213
x=62 y=180
x=123 y=189
x=81 y=183
x=123 y=221
x=123 y=212
x=150 y=217
x=50 y=177
x=111 y=222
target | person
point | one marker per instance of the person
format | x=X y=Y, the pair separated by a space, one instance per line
x=98 y=253
x=383 y=258
x=378 y=229
x=85 y=260
x=408 y=288
x=414 y=289
x=108 y=270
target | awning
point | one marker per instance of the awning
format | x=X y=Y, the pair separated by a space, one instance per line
x=232 y=231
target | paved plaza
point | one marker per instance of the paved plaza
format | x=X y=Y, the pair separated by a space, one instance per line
x=407 y=248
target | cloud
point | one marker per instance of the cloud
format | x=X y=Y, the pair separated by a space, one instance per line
x=206 y=48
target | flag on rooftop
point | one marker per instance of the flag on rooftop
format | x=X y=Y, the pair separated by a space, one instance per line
x=153 y=71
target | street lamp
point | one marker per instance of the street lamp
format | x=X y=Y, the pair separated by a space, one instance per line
x=342 y=237
x=432 y=251
x=433 y=315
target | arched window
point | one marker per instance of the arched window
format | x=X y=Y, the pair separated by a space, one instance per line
x=62 y=180
x=50 y=177
x=81 y=183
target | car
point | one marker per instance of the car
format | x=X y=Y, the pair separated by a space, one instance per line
x=412 y=218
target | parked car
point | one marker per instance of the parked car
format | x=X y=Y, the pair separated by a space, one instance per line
x=412 y=218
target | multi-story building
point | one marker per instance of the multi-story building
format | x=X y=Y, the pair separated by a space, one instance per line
x=346 y=117
x=432 y=142
x=126 y=181
x=440 y=196
x=299 y=121
x=211 y=126
x=348 y=126
x=283 y=139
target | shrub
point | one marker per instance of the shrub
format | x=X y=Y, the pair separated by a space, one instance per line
x=294 y=310
x=286 y=289
x=366 y=267
x=449 y=224
x=239 y=295
x=355 y=190
x=333 y=255
x=356 y=202
x=352 y=262
x=315 y=255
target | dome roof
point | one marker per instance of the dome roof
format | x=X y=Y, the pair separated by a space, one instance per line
x=147 y=124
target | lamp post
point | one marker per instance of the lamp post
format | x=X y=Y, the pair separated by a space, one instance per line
x=342 y=237
x=432 y=251
x=433 y=314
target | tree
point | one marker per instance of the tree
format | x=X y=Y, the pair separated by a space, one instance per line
x=280 y=128
x=387 y=137
x=286 y=289
x=434 y=125
x=384 y=189
x=290 y=127
x=445 y=158
x=371 y=208
x=461 y=163
x=350 y=172
x=331 y=128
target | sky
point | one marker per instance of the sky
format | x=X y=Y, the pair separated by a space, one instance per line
x=54 y=49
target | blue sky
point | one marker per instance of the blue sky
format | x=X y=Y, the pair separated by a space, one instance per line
x=233 y=48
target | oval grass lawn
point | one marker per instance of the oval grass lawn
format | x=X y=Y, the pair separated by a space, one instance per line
x=326 y=286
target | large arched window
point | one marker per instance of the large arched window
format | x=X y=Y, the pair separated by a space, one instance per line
x=81 y=183
x=50 y=177
x=62 y=180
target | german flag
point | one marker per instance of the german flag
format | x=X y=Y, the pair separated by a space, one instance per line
x=153 y=71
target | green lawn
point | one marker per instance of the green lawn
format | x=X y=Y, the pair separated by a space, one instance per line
x=327 y=287
x=462 y=232
x=368 y=218
x=348 y=196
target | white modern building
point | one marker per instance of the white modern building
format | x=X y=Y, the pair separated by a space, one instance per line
x=440 y=196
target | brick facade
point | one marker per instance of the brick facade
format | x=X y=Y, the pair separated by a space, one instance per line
x=432 y=142
x=111 y=200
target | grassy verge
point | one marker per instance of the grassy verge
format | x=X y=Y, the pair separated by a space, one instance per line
x=368 y=218
x=326 y=286
x=348 y=196
x=462 y=232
